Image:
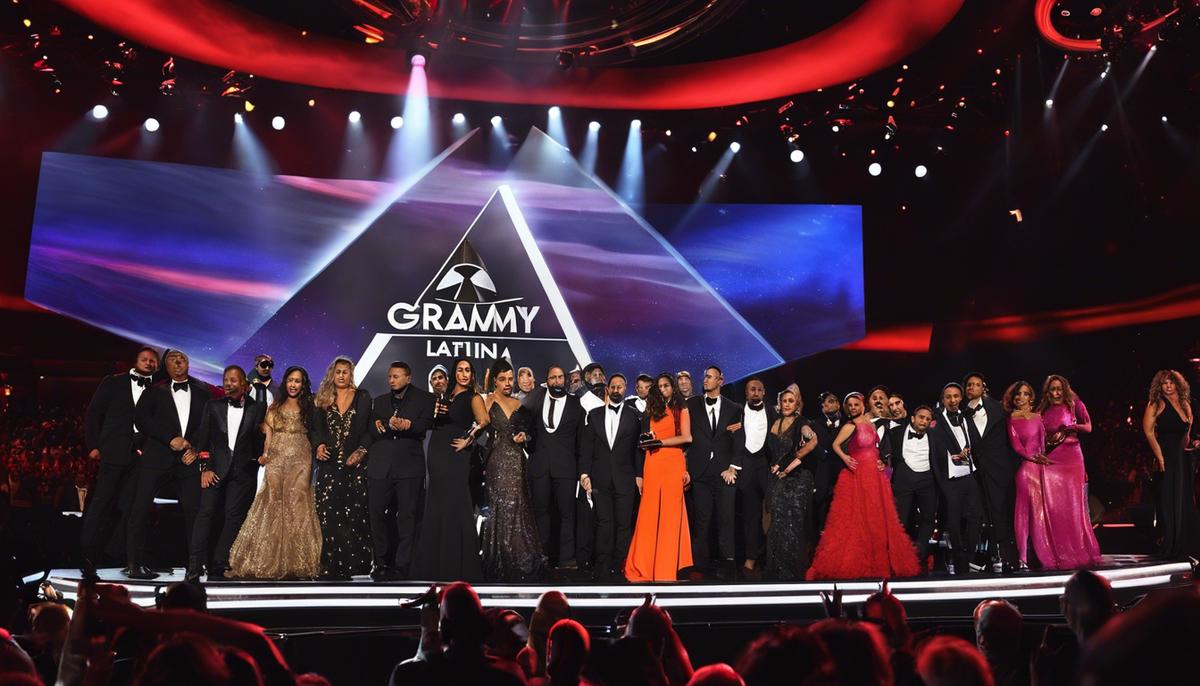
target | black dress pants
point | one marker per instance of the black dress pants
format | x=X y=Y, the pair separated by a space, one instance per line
x=713 y=502
x=752 y=484
x=149 y=482
x=114 y=490
x=233 y=495
x=964 y=518
x=400 y=498
x=550 y=493
x=915 y=490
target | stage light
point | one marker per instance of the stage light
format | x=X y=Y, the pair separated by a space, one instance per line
x=735 y=146
x=836 y=128
x=875 y=169
x=1049 y=102
x=248 y=106
x=636 y=123
x=397 y=121
x=555 y=111
x=631 y=182
x=99 y=112
x=312 y=102
x=459 y=118
x=593 y=126
x=797 y=156
x=237 y=117
x=417 y=60
x=1164 y=118
x=554 y=126
x=668 y=132
x=587 y=156
x=277 y=123
x=496 y=120
x=693 y=148
x=354 y=117
x=151 y=125
x=921 y=171
x=1104 y=127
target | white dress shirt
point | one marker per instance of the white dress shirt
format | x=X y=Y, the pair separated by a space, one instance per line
x=916 y=451
x=980 y=417
x=589 y=402
x=960 y=434
x=234 y=417
x=559 y=404
x=755 y=425
x=612 y=420
x=183 y=405
x=137 y=391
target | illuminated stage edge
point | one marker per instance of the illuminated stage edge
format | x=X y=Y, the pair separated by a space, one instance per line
x=352 y=603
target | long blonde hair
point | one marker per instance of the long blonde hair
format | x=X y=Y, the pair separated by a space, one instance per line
x=1183 y=391
x=326 y=393
x=1069 y=396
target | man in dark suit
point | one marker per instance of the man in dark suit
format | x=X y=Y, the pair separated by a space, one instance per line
x=232 y=436
x=608 y=465
x=554 y=462
x=996 y=465
x=911 y=449
x=714 y=421
x=169 y=417
x=396 y=469
x=112 y=438
x=829 y=465
x=752 y=461
x=955 y=474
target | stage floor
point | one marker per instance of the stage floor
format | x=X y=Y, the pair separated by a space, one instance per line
x=363 y=603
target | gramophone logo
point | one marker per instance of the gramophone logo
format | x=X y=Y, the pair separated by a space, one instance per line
x=481 y=311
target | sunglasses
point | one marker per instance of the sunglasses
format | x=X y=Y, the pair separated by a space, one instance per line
x=266 y=364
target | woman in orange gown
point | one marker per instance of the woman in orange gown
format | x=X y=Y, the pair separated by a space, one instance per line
x=661 y=543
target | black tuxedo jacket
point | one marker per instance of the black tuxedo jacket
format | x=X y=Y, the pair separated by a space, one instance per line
x=721 y=444
x=399 y=454
x=892 y=448
x=555 y=453
x=991 y=450
x=950 y=445
x=214 y=437
x=621 y=463
x=158 y=422
x=108 y=423
x=740 y=439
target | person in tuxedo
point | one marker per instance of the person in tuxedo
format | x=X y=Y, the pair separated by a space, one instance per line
x=877 y=400
x=575 y=381
x=609 y=461
x=954 y=473
x=594 y=389
x=829 y=465
x=897 y=409
x=715 y=435
x=641 y=386
x=910 y=449
x=996 y=467
x=554 y=463
x=168 y=416
x=263 y=389
x=111 y=437
x=231 y=434
x=525 y=383
x=752 y=460
x=396 y=469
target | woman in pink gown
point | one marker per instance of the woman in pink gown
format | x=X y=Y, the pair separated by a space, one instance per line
x=863 y=537
x=1052 y=502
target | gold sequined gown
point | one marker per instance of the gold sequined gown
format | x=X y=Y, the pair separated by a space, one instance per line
x=281 y=537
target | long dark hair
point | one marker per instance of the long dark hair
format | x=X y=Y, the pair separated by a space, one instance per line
x=305 y=399
x=657 y=405
x=450 y=387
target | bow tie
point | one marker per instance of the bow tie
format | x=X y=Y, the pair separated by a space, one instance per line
x=915 y=436
x=140 y=380
x=237 y=402
x=710 y=401
x=970 y=411
x=754 y=407
x=615 y=408
x=177 y=386
x=955 y=417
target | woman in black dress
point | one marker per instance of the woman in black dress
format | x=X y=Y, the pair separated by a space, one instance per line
x=343 y=412
x=791 y=438
x=1167 y=423
x=448 y=549
x=512 y=551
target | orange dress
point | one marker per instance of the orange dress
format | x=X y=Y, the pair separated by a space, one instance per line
x=661 y=543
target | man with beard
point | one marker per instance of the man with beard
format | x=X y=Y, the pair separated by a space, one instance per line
x=709 y=456
x=877 y=406
x=231 y=433
x=751 y=460
x=608 y=465
x=554 y=464
x=683 y=380
x=575 y=381
x=112 y=438
x=896 y=415
x=168 y=416
x=829 y=465
x=641 y=390
x=911 y=449
x=525 y=383
x=955 y=475
x=997 y=465
x=263 y=388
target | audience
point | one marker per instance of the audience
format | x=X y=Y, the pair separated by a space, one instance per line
x=110 y=640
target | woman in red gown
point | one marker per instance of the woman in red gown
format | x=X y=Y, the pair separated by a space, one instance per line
x=863 y=537
x=661 y=543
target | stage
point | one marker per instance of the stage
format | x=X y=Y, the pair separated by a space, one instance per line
x=286 y=607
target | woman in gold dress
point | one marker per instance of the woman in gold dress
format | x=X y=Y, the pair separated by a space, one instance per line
x=281 y=538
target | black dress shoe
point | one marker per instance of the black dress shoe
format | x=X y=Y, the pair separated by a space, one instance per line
x=139 y=572
x=385 y=574
x=193 y=575
x=87 y=571
x=217 y=574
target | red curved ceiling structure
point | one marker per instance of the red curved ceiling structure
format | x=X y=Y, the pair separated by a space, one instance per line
x=878 y=34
